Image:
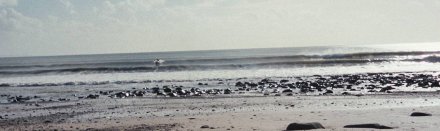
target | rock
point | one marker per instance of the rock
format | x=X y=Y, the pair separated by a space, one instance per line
x=121 y=95
x=172 y=94
x=4 y=85
x=266 y=92
x=284 y=81
x=91 y=96
x=287 y=90
x=253 y=84
x=386 y=89
x=18 y=99
x=345 y=93
x=69 y=83
x=420 y=114
x=373 y=125
x=139 y=93
x=304 y=126
x=359 y=95
x=155 y=90
x=204 y=126
x=435 y=84
x=167 y=90
x=239 y=84
x=328 y=91
x=227 y=91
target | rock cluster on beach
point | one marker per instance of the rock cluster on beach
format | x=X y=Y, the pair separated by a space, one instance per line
x=321 y=85
x=354 y=84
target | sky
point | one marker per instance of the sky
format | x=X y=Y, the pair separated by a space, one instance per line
x=64 y=27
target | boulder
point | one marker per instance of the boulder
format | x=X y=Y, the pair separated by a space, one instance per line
x=304 y=126
x=420 y=114
x=373 y=125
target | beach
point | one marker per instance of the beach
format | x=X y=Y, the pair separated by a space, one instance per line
x=116 y=107
x=247 y=113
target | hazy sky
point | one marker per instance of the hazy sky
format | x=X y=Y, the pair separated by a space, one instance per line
x=55 y=27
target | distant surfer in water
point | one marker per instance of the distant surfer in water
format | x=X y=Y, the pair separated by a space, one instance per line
x=157 y=63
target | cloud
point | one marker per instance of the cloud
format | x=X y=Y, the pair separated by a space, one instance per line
x=8 y=3
x=68 y=6
x=75 y=27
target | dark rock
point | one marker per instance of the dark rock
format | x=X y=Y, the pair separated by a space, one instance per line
x=63 y=99
x=328 y=91
x=345 y=93
x=122 y=94
x=182 y=92
x=420 y=114
x=139 y=93
x=155 y=90
x=386 y=89
x=4 y=85
x=287 y=90
x=18 y=99
x=284 y=81
x=253 y=84
x=91 y=96
x=239 y=84
x=204 y=126
x=304 y=126
x=172 y=94
x=69 y=83
x=374 y=126
x=435 y=84
x=167 y=90
x=227 y=91
x=291 y=86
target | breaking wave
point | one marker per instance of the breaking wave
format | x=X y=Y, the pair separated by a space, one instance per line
x=220 y=63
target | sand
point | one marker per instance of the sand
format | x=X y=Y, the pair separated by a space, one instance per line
x=244 y=113
x=63 y=108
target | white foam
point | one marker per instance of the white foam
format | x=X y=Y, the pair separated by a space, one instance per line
x=194 y=75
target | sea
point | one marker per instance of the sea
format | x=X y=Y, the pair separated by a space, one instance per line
x=101 y=69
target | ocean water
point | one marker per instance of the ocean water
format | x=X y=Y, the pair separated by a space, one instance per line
x=194 y=65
